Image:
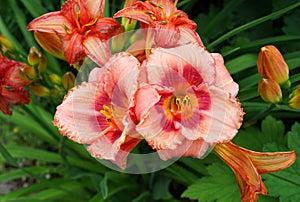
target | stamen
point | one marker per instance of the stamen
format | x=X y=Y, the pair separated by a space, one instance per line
x=106 y=112
x=67 y=29
x=77 y=14
x=108 y=115
x=151 y=14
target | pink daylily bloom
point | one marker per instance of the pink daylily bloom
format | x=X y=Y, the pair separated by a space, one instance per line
x=187 y=102
x=12 y=84
x=81 y=28
x=96 y=112
x=170 y=26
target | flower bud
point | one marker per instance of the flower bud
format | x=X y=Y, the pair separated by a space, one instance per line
x=294 y=101
x=272 y=65
x=68 y=80
x=55 y=79
x=55 y=93
x=27 y=73
x=51 y=43
x=269 y=90
x=6 y=45
x=34 y=56
x=42 y=64
x=40 y=90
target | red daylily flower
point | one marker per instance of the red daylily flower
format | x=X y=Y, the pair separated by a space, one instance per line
x=96 y=113
x=82 y=29
x=170 y=26
x=12 y=84
x=248 y=165
x=187 y=101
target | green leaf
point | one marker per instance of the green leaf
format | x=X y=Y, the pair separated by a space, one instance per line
x=36 y=170
x=250 y=138
x=285 y=184
x=273 y=130
x=8 y=158
x=160 y=188
x=241 y=63
x=251 y=24
x=220 y=186
x=104 y=187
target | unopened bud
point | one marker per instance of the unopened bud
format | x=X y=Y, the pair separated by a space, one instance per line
x=6 y=45
x=28 y=73
x=42 y=64
x=40 y=90
x=272 y=65
x=269 y=90
x=55 y=93
x=68 y=80
x=55 y=79
x=294 y=101
x=51 y=43
x=33 y=57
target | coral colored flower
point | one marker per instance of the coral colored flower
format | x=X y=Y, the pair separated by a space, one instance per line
x=272 y=65
x=248 y=165
x=170 y=26
x=269 y=90
x=96 y=112
x=81 y=28
x=187 y=102
x=12 y=84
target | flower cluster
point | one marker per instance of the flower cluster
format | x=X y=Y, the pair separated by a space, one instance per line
x=164 y=88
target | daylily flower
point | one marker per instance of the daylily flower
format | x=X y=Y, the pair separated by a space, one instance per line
x=170 y=26
x=187 y=102
x=248 y=165
x=82 y=29
x=96 y=112
x=12 y=84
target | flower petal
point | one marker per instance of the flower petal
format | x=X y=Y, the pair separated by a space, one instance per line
x=95 y=7
x=188 y=35
x=137 y=12
x=97 y=50
x=116 y=151
x=266 y=162
x=191 y=55
x=53 y=22
x=51 y=43
x=73 y=49
x=77 y=116
x=196 y=149
x=221 y=121
x=223 y=78
x=105 y=28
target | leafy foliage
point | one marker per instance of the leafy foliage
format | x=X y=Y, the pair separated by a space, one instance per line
x=285 y=184
x=220 y=185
